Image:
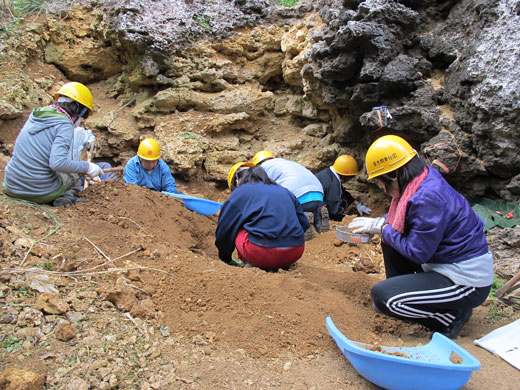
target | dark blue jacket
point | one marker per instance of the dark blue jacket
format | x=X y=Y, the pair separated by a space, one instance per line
x=334 y=193
x=270 y=213
x=440 y=225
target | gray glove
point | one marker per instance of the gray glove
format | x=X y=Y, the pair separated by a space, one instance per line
x=367 y=225
x=362 y=209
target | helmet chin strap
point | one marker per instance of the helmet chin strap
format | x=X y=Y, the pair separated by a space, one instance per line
x=83 y=112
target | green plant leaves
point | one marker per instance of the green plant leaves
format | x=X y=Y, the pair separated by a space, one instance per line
x=204 y=21
x=11 y=343
x=289 y=3
x=495 y=213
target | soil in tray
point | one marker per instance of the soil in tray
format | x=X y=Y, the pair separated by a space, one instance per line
x=377 y=348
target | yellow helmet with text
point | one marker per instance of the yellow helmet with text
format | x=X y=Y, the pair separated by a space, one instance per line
x=234 y=169
x=386 y=154
x=149 y=149
x=77 y=92
x=345 y=165
x=261 y=156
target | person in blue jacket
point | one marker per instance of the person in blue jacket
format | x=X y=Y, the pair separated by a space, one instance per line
x=336 y=198
x=41 y=168
x=262 y=220
x=437 y=261
x=147 y=169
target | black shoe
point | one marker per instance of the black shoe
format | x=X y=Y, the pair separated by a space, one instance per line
x=325 y=222
x=67 y=200
x=317 y=222
x=309 y=233
x=453 y=330
x=374 y=307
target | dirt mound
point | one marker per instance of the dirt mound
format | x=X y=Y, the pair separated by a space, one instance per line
x=138 y=277
x=260 y=312
x=186 y=286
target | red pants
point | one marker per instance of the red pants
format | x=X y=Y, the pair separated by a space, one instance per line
x=264 y=257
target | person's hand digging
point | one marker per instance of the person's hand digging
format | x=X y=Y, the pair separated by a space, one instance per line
x=93 y=173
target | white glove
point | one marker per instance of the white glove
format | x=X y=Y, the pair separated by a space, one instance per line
x=94 y=171
x=367 y=225
x=362 y=209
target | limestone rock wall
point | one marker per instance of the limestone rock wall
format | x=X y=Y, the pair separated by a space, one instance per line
x=216 y=82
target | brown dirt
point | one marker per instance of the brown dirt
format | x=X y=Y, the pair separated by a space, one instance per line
x=233 y=327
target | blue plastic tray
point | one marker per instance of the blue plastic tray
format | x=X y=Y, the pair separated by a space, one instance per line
x=424 y=368
x=199 y=205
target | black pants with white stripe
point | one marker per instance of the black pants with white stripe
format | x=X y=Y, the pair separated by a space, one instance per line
x=427 y=298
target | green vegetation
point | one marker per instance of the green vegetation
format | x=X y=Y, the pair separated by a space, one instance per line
x=204 y=21
x=494 y=287
x=26 y=292
x=49 y=266
x=499 y=308
x=24 y=7
x=289 y=3
x=188 y=135
x=495 y=314
x=496 y=213
x=11 y=343
x=12 y=12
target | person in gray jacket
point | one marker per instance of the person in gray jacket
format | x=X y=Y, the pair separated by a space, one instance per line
x=297 y=179
x=41 y=169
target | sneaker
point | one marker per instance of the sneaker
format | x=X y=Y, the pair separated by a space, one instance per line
x=453 y=330
x=309 y=233
x=67 y=200
x=310 y=216
x=325 y=223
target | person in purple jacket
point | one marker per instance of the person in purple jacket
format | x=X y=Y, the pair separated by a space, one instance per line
x=437 y=262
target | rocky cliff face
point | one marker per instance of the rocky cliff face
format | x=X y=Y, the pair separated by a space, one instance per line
x=217 y=81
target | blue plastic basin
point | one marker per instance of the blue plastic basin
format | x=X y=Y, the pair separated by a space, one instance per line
x=199 y=205
x=426 y=367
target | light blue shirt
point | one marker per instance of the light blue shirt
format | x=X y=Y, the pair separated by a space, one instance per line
x=475 y=272
x=158 y=179
x=293 y=176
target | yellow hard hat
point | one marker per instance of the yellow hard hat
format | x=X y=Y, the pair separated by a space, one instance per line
x=387 y=154
x=234 y=170
x=78 y=92
x=149 y=149
x=261 y=156
x=346 y=165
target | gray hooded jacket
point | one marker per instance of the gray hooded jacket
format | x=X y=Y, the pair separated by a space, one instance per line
x=41 y=151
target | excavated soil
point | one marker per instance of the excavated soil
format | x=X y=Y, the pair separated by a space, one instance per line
x=133 y=256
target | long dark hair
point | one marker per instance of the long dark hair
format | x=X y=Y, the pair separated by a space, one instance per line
x=253 y=175
x=405 y=174
x=74 y=109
